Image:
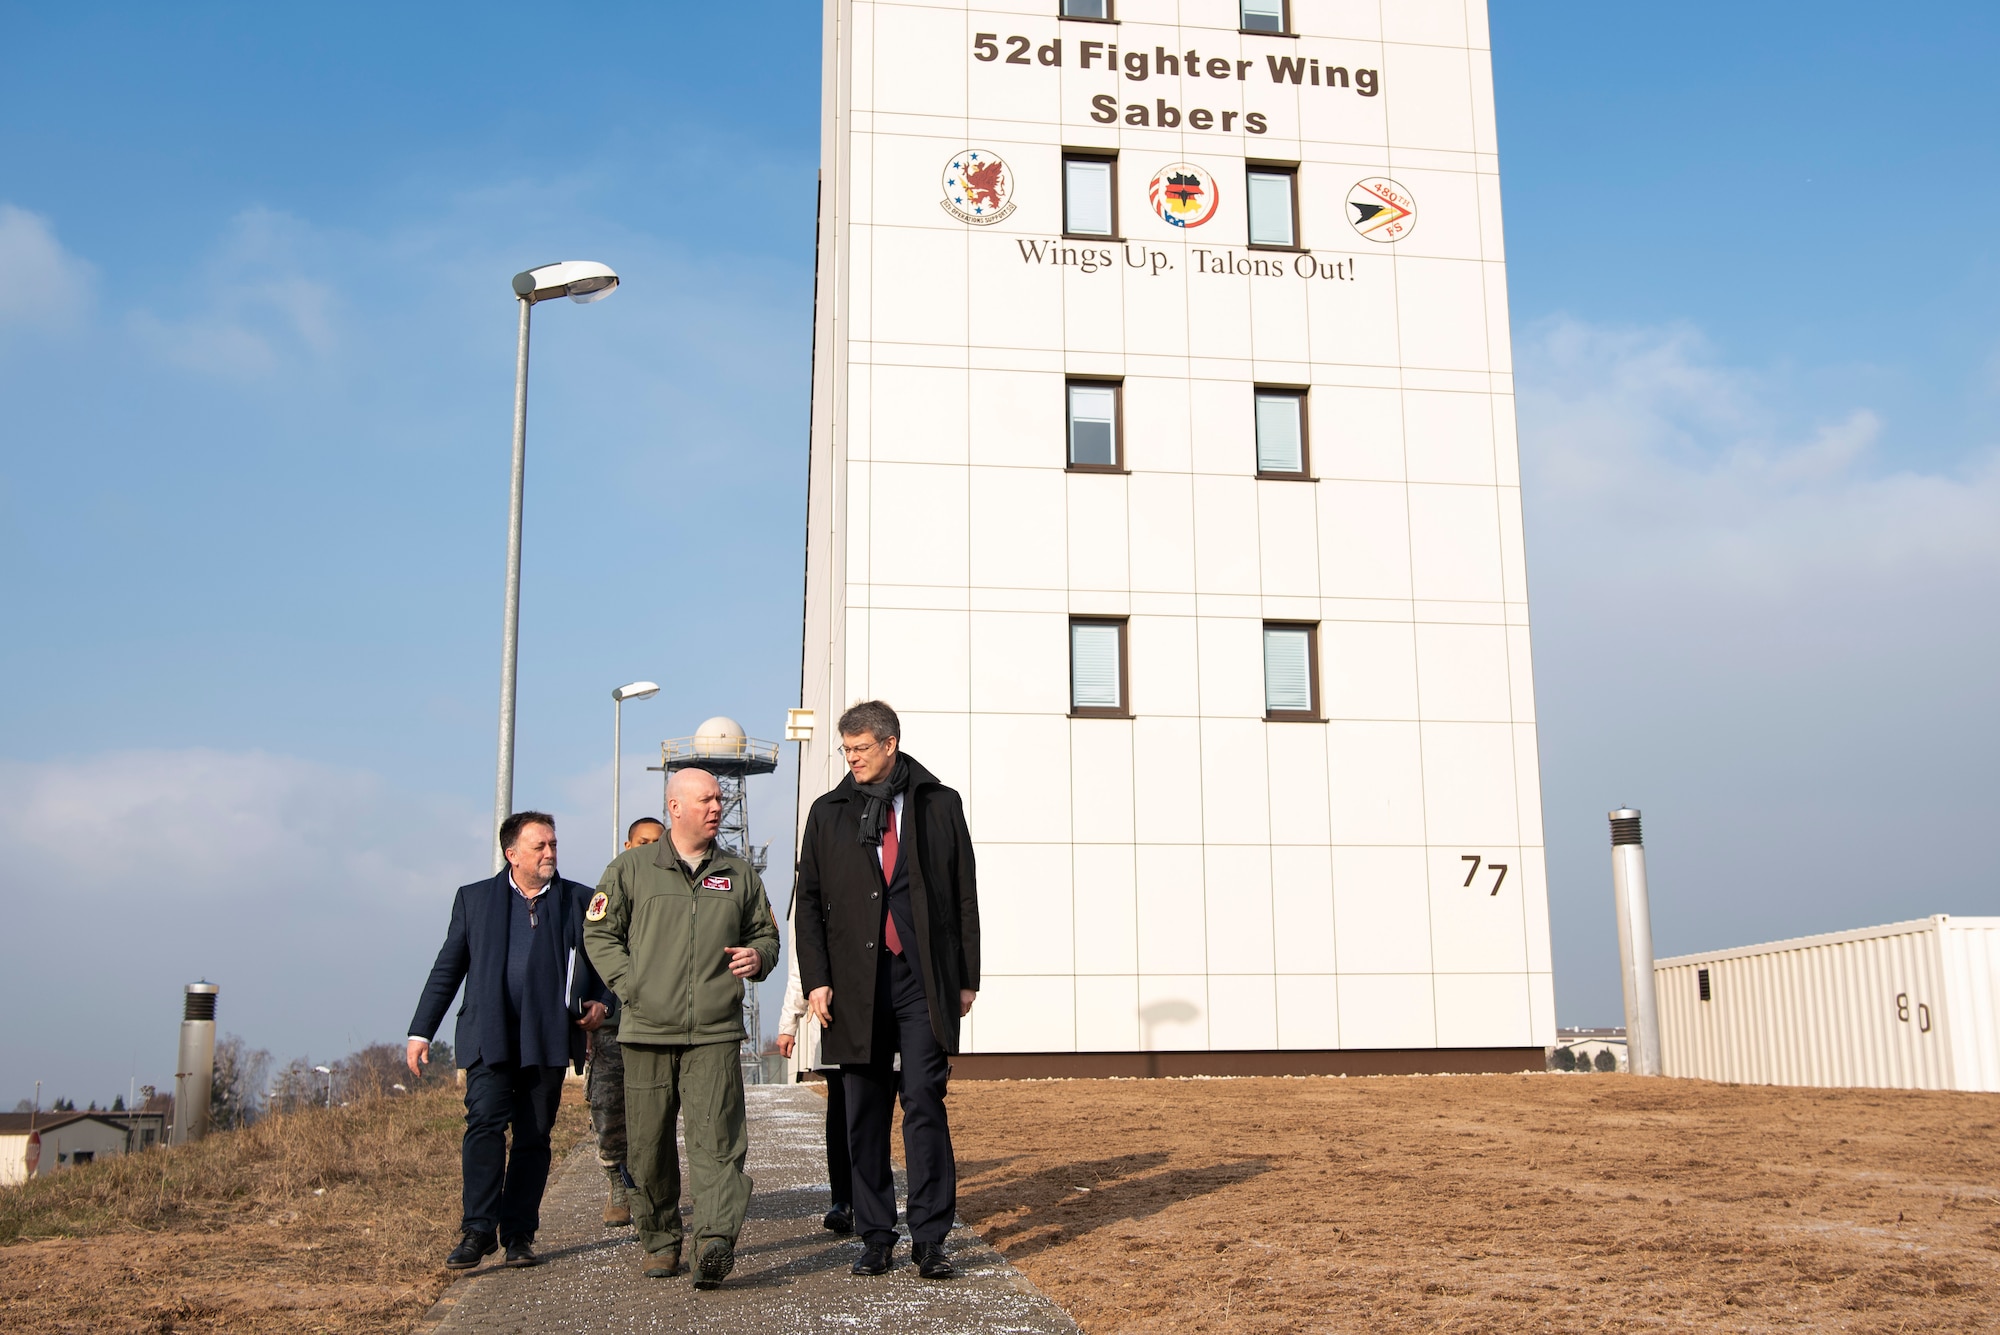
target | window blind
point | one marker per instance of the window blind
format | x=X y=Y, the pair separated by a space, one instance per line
x=1093 y=416
x=1279 y=441
x=1287 y=669
x=1264 y=15
x=1270 y=208
x=1087 y=198
x=1093 y=666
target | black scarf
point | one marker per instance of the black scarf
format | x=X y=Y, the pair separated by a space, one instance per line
x=881 y=801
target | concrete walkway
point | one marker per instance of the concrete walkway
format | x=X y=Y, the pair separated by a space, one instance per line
x=791 y=1274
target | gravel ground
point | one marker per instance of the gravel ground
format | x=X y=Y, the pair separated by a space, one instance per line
x=791 y=1274
x=1488 y=1203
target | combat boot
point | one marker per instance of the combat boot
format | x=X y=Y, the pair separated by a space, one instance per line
x=617 y=1209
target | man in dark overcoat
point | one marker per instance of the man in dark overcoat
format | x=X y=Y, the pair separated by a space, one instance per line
x=887 y=933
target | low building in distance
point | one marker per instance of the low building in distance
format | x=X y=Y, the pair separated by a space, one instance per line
x=1908 y=1005
x=72 y=1138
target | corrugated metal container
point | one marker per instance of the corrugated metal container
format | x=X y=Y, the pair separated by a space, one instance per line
x=1907 y=1006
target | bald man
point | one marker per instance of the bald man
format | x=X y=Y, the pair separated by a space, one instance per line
x=675 y=929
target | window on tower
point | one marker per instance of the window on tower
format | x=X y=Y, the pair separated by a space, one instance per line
x=1274 y=216
x=1094 y=442
x=1281 y=433
x=1097 y=667
x=1090 y=196
x=1086 y=9
x=1265 y=16
x=1291 y=671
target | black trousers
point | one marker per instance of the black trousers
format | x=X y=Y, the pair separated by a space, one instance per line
x=503 y=1192
x=839 y=1163
x=902 y=1024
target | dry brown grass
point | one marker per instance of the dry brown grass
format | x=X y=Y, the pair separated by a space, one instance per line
x=1488 y=1203
x=329 y=1220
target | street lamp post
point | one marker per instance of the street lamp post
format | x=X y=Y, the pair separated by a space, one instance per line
x=638 y=690
x=581 y=281
x=327 y=1071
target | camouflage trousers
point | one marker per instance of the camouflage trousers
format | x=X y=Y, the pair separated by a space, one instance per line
x=606 y=1091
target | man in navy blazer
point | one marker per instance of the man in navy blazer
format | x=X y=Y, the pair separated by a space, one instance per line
x=531 y=999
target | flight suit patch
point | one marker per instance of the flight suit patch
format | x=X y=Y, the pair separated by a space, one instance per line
x=599 y=903
x=715 y=883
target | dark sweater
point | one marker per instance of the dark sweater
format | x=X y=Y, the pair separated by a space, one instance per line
x=538 y=1016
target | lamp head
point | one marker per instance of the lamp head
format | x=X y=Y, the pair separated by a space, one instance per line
x=638 y=690
x=579 y=280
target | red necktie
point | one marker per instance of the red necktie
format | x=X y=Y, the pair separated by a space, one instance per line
x=890 y=938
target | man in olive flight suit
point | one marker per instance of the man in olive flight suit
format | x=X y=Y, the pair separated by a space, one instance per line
x=674 y=930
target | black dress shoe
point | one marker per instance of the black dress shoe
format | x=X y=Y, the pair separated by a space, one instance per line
x=874 y=1259
x=840 y=1219
x=472 y=1248
x=931 y=1261
x=521 y=1253
x=713 y=1263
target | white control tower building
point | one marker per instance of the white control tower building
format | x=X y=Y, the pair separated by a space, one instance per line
x=1164 y=480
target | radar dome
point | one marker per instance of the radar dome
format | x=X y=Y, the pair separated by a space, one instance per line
x=719 y=737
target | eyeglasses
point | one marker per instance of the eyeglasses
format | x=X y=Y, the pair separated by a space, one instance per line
x=852 y=751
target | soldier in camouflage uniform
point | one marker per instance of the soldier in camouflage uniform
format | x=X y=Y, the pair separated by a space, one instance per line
x=606 y=1089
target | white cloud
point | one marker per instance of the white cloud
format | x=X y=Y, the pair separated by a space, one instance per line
x=1767 y=629
x=230 y=825
x=315 y=895
x=47 y=287
x=1666 y=466
x=255 y=308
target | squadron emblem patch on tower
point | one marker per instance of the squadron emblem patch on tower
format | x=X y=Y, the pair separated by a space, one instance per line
x=1381 y=210
x=978 y=188
x=1183 y=194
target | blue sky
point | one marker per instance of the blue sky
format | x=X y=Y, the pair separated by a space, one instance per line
x=256 y=366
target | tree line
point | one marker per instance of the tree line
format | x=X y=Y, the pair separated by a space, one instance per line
x=244 y=1087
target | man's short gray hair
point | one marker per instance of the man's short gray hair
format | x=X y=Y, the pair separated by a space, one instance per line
x=872 y=717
